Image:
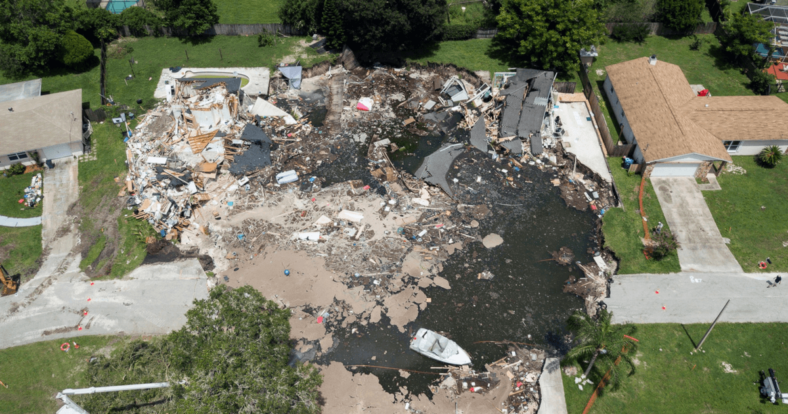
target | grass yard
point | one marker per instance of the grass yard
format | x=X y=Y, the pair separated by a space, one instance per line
x=20 y=247
x=669 y=380
x=473 y=14
x=248 y=11
x=153 y=54
x=623 y=230
x=755 y=233
x=707 y=66
x=473 y=54
x=12 y=190
x=35 y=373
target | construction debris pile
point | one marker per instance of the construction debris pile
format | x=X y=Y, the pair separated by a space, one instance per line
x=521 y=366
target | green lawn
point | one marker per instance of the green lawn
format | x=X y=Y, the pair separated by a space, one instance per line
x=669 y=380
x=13 y=189
x=623 y=230
x=755 y=233
x=707 y=66
x=20 y=247
x=35 y=373
x=473 y=14
x=153 y=54
x=473 y=54
x=248 y=11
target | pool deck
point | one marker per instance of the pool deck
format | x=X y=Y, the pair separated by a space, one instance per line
x=258 y=79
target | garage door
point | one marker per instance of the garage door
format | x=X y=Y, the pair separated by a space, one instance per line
x=674 y=170
x=57 y=151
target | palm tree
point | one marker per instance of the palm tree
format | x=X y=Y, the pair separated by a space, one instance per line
x=770 y=156
x=603 y=342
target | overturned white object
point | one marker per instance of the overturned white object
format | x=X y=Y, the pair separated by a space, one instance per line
x=420 y=201
x=323 y=221
x=264 y=108
x=353 y=216
x=289 y=120
x=365 y=104
x=156 y=160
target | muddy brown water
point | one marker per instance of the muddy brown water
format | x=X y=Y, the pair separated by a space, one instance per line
x=524 y=298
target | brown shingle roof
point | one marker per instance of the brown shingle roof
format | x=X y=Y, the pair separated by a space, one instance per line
x=740 y=118
x=41 y=122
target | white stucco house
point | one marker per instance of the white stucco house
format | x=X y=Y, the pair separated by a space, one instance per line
x=678 y=133
x=32 y=125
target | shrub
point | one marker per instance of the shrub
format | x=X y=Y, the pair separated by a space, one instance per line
x=459 y=31
x=634 y=32
x=696 y=42
x=136 y=18
x=16 y=169
x=663 y=244
x=265 y=38
x=770 y=156
x=761 y=82
x=75 y=49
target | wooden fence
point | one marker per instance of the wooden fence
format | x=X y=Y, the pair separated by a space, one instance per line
x=660 y=29
x=95 y=116
x=593 y=101
x=485 y=33
x=565 y=87
x=223 y=30
x=622 y=151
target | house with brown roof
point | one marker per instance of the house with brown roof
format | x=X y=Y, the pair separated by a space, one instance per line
x=680 y=134
x=46 y=127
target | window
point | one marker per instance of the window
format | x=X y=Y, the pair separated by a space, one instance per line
x=731 y=146
x=17 y=156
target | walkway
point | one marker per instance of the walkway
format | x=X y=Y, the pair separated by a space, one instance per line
x=151 y=300
x=702 y=247
x=61 y=190
x=19 y=222
x=552 y=386
x=697 y=298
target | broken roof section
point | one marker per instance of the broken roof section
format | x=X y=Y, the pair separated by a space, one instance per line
x=479 y=135
x=233 y=85
x=293 y=73
x=527 y=95
x=257 y=156
x=435 y=167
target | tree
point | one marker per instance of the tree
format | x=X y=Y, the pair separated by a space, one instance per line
x=742 y=31
x=332 y=26
x=98 y=24
x=770 y=156
x=680 y=15
x=303 y=14
x=194 y=16
x=230 y=357
x=136 y=18
x=603 y=343
x=548 y=34
x=75 y=49
x=376 y=28
x=31 y=32
x=761 y=82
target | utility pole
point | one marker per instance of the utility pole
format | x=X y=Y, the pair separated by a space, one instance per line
x=712 y=326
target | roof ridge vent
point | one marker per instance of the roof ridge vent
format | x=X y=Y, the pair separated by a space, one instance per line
x=652 y=60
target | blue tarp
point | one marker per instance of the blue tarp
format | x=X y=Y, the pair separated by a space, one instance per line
x=762 y=50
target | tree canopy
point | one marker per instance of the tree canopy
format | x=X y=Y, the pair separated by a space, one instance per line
x=680 y=15
x=230 y=357
x=194 y=16
x=75 y=49
x=742 y=31
x=31 y=32
x=548 y=34
x=603 y=342
x=332 y=25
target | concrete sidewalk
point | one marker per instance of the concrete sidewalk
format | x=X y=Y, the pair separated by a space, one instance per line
x=19 y=222
x=151 y=300
x=702 y=248
x=581 y=137
x=552 y=387
x=61 y=190
x=697 y=298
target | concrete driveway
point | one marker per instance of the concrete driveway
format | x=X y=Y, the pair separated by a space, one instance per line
x=152 y=299
x=697 y=298
x=689 y=218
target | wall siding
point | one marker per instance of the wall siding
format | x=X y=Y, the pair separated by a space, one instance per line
x=626 y=131
x=754 y=147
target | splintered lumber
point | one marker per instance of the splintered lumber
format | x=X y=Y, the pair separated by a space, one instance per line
x=199 y=142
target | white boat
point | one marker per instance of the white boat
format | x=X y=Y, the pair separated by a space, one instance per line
x=439 y=347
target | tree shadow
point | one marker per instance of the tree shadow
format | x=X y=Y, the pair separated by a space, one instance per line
x=195 y=40
x=425 y=52
x=694 y=345
x=504 y=52
x=722 y=58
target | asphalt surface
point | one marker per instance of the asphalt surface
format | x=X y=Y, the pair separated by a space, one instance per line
x=697 y=298
x=152 y=300
x=702 y=248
